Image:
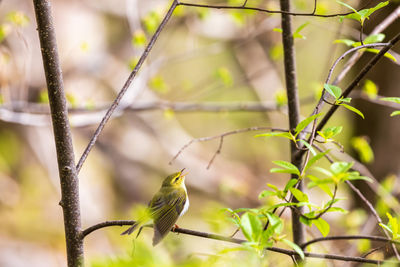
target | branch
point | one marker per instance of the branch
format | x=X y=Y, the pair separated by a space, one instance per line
x=221 y=139
x=367 y=203
x=378 y=29
x=349 y=237
x=285 y=12
x=236 y=241
x=359 y=77
x=289 y=61
x=126 y=85
x=62 y=133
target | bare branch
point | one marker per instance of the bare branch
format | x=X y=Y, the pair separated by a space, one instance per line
x=221 y=136
x=62 y=133
x=244 y=7
x=126 y=85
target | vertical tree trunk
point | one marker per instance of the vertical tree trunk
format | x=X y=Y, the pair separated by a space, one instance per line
x=293 y=105
x=62 y=133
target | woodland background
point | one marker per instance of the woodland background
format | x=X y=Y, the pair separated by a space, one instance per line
x=203 y=57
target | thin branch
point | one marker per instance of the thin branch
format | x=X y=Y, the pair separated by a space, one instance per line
x=236 y=241
x=259 y=9
x=62 y=133
x=359 y=77
x=221 y=136
x=378 y=29
x=349 y=237
x=367 y=203
x=126 y=85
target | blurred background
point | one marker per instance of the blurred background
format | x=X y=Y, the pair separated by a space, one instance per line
x=205 y=63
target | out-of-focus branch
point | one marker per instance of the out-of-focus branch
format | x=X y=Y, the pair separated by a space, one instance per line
x=359 y=77
x=234 y=240
x=221 y=139
x=62 y=133
x=126 y=85
x=378 y=29
x=259 y=9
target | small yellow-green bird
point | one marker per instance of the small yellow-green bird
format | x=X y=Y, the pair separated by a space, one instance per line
x=167 y=205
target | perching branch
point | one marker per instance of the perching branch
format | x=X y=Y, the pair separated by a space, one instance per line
x=349 y=237
x=126 y=85
x=62 y=133
x=236 y=241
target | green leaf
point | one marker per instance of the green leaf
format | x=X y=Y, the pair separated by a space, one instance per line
x=276 y=224
x=361 y=145
x=158 y=84
x=294 y=247
x=378 y=6
x=386 y=227
x=341 y=167
x=288 y=167
x=333 y=90
x=391 y=99
x=304 y=123
x=266 y=193
x=300 y=196
x=337 y=209
x=322 y=226
x=395 y=113
x=284 y=134
x=277 y=30
x=353 y=109
x=251 y=226
x=151 y=21
x=371 y=89
x=18 y=18
x=374 y=38
x=306 y=144
x=290 y=184
x=345 y=41
x=330 y=132
x=387 y=54
x=139 y=39
x=225 y=76
x=322 y=170
x=314 y=159
x=344 y=99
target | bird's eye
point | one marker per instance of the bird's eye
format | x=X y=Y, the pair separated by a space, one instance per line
x=176 y=179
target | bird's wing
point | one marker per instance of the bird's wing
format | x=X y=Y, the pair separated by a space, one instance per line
x=165 y=211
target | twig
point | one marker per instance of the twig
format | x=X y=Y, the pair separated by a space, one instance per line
x=378 y=29
x=359 y=77
x=234 y=240
x=62 y=133
x=244 y=7
x=368 y=204
x=126 y=85
x=349 y=237
x=221 y=136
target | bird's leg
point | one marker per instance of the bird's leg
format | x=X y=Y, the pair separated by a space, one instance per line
x=174 y=228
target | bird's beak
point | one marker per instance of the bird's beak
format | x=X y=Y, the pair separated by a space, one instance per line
x=183 y=174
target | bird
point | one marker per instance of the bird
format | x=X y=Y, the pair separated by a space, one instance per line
x=167 y=205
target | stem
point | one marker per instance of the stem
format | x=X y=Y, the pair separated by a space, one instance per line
x=62 y=133
x=293 y=106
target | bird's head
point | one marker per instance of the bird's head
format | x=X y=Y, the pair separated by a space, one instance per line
x=175 y=180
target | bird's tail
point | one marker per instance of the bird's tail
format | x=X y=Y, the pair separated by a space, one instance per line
x=130 y=229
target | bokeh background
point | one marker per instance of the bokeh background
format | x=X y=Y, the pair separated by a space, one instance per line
x=203 y=56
